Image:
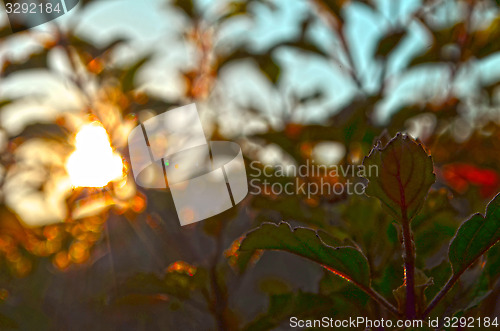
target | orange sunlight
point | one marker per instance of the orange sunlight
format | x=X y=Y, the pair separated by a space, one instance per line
x=93 y=163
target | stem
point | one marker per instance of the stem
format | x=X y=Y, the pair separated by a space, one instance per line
x=220 y=300
x=370 y=291
x=334 y=25
x=452 y=282
x=409 y=259
x=441 y=294
x=408 y=255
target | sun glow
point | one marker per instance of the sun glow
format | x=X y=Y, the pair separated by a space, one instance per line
x=93 y=163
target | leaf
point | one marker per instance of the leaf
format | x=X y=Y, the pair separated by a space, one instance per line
x=288 y=206
x=187 y=6
x=308 y=46
x=269 y=67
x=34 y=61
x=439 y=274
x=483 y=44
x=176 y=283
x=265 y=62
x=142 y=300
x=421 y=284
x=389 y=42
x=404 y=176
x=156 y=104
x=45 y=131
x=493 y=264
x=437 y=218
x=335 y=7
x=5 y=30
x=273 y=286
x=128 y=77
x=345 y=261
x=88 y=51
x=444 y=46
x=239 y=260
x=7 y=323
x=311 y=97
x=240 y=8
x=474 y=237
x=346 y=293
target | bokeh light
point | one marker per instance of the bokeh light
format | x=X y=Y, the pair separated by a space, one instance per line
x=94 y=163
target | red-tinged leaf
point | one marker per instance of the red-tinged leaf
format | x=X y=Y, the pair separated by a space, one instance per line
x=345 y=261
x=400 y=175
x=239 y=260
x=474 y=237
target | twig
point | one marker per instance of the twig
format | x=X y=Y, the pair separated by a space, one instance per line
x=370 y=291
x=452 y=282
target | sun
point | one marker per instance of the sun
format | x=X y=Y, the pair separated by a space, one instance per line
x=93 y=163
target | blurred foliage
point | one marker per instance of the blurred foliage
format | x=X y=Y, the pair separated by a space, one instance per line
x=117 y=258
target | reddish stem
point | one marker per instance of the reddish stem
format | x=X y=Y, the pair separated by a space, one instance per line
x=409 y=259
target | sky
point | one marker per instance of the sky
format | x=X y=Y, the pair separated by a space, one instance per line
x=152 y=26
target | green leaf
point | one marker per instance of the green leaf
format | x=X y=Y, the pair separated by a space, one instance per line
x=493 y=264
x=5 y=30
x=483 y=43
x=238 y=260
x=308 y=46
x=389 y=42
x=34 y=61
x=438 y=218
x=85 y=47
x=128 y=78
x=7 y=323
x=44 y=131
x=475 y=236
x=403 y=177
x=439 y=274
x=442 y=38
x=187 y=6
x=345 y=261
x=151 y=287
x=274 y=286
x=269 y=67
x=335 y=7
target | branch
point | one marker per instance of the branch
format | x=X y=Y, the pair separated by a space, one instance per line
x=449 y=284
x=370 y=291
